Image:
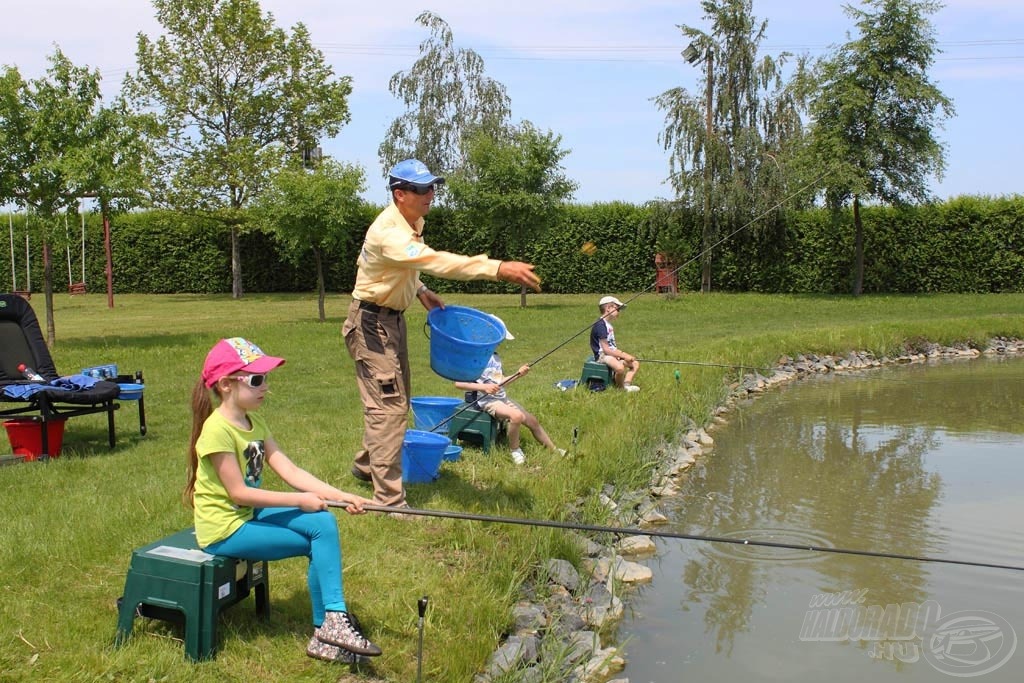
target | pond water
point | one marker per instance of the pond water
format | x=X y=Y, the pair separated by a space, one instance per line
x=923 y=460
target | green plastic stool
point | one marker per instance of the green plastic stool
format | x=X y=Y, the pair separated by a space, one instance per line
x=470 y=424
x=596 y=372
x=171 y=579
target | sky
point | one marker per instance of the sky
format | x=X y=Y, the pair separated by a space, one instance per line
x=587 y=70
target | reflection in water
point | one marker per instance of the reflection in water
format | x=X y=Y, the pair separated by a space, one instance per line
x=886 y=462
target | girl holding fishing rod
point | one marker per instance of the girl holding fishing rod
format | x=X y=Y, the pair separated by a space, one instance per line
x=228 y=449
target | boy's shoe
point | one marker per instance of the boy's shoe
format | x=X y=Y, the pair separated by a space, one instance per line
x=317 y=649
x=561 y=451
x=338 y=629
x=518 y=457
x=631 y=387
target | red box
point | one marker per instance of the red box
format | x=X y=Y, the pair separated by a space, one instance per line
x=26 y=437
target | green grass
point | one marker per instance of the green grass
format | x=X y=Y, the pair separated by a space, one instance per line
x=69 y=526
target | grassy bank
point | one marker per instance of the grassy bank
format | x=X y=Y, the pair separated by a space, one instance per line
x=69 y=526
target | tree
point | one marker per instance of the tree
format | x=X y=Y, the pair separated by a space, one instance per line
x=510 y=189
x=58 y=144
x=234 y=96
x=874 y=112
x=446 y=96
x=314 y=210
x=728 y=146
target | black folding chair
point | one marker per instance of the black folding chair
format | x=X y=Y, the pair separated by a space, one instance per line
x=21 y=341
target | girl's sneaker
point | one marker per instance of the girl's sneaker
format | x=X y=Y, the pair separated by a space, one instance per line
x=340 y=630
x=317 y=649
x=518 y=457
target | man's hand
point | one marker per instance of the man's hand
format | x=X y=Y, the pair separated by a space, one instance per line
x=520 y=273
x=430 y=300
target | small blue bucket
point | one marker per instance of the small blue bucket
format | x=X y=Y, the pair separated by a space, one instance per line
x=452 y=453
x=422 y=453
x=430 y=411
x=462 y=340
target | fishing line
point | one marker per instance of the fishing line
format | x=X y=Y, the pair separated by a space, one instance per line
x=668 y=534
x=711 y=365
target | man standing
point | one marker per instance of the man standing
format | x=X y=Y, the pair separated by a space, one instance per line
x=387 y=281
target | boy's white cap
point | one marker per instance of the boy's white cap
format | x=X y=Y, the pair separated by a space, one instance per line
x=610 y=300
x=508 y=335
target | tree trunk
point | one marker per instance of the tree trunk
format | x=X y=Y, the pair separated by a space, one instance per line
x=320 y=292
x=108 y=269
x=522 y=297
x=858 y=248
x=236 y=265
x=51 y=328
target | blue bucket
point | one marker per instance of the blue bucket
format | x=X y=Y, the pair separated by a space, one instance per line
x=430 y=411
x=462 y=340
x=422 y=453
x=453 y=453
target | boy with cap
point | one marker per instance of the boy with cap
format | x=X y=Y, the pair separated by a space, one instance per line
x=387 y=281
x=492 y=399
x=602 y=344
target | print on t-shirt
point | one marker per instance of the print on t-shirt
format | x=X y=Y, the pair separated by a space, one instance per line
x=254 y=453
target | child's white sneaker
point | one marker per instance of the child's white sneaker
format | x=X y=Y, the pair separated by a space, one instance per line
x=631 y=387
x=560 y=451
x=518 y=457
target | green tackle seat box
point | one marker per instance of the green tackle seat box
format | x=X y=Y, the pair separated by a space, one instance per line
x=595 y=372
x=470 y=424
x=173 y=580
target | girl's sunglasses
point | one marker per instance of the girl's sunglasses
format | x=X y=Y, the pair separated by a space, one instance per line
x=252 y=380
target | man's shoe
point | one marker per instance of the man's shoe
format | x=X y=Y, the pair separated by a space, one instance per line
x=360 y=475
x=338 y=629
x=318 y=649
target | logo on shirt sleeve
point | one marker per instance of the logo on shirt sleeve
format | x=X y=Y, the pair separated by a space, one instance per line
x=413 y=250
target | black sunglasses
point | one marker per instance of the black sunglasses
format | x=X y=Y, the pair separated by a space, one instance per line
x=417 y=189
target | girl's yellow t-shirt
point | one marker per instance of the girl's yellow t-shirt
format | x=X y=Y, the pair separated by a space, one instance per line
x=216 y=516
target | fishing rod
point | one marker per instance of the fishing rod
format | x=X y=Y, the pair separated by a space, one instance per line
x=651 y=287
x=666 y=534
x=712 y=365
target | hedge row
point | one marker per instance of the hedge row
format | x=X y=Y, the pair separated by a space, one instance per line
x=968 y=244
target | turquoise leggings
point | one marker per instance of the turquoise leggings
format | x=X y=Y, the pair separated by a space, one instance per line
x=277 y=533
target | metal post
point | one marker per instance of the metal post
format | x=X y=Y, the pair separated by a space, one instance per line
x=419 y=654
x=705 y=279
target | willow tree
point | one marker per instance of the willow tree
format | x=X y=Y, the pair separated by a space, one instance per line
x=234 y=96
x=446 y=96
x=875 y=111
x=728 y=144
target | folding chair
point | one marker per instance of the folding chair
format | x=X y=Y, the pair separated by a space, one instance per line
x=21 y=341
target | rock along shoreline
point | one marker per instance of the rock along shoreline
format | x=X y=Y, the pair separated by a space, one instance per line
x=561 y=636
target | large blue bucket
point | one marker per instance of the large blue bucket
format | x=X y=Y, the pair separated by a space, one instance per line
x=430 y=411
x=422 y=453
x=461 y=341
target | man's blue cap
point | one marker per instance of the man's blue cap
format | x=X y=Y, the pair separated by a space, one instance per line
x=412 y=172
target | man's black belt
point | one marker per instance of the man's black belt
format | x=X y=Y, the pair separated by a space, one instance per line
x=374 y=308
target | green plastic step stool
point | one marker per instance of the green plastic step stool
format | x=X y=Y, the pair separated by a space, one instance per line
x=470 y=424
x=594 y=371
x=172 y=579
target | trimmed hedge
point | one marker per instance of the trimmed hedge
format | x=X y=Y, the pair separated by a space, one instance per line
x=966 y=245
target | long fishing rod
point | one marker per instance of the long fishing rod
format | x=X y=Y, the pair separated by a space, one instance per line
x=638 y=295
x=667 y=534
x=712 y=365
x=697 y=256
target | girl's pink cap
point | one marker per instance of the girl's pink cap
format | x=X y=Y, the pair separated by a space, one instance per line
x=228 y=356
